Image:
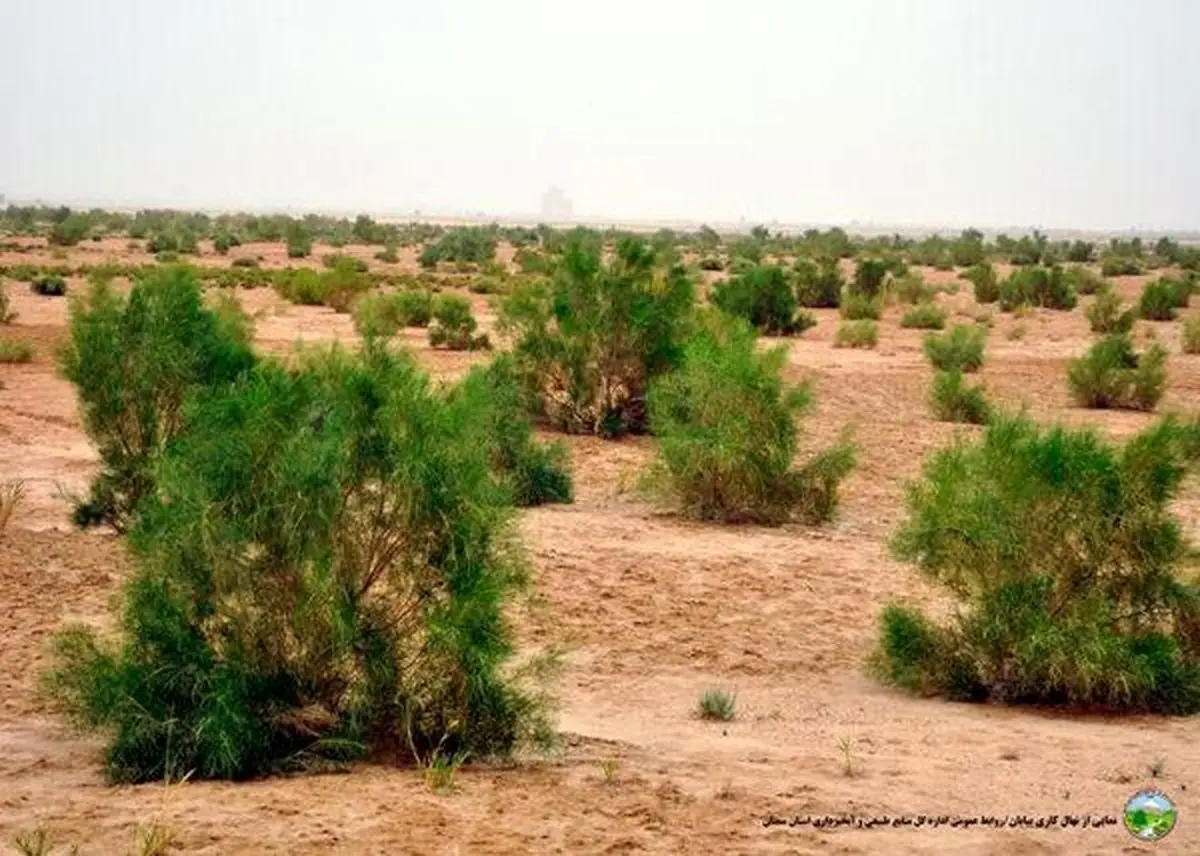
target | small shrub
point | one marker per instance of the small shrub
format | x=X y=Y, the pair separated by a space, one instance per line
x=764 y=297
x=1067 y=564
x=959 y=349
x=725 y=422
x=1083 y=281
x=388 y=255
x=1119 y=266
x=466 y=245
x=1036 y=286
x=1190 y=335
x=222 y=243
x=244 y=262
x=856 y=307
x=912 y=288
x=925 y=316
x=717 y=705
x=1105 y=315
x=985 y=282
x=818 y=285
x=589 y=340
x=50 y=285
x=341 y=261
x=15 y=351
x=869 y=278
x=953 y=401
x=1111 y=375
x=1161 y=298
x=299 y=240
x=857 y=334
x=453 y=325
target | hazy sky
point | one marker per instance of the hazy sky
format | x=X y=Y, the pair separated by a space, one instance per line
x=1059 y=113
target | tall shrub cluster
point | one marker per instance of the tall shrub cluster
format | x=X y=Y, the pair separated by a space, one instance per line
x=725 y=424
x=323 y=571
x=1111 y=374
x=763 y=296
x=590 y=339
x=1037 y=286
x=1067 y=563
x=471 y=245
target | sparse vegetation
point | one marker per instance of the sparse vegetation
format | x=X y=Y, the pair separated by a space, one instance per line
x=1066 y=559
x=1105 y=314
x=924 y=316
x=453 y=325
x=11 y=493
x=1049 y=288
x=1190 y=335
x=717 y=705
x=1112 y=375
x=857 y=334
x=856 y=307
x=959 y=349
x=983 y=278
x=15 y=351
x=954 y=401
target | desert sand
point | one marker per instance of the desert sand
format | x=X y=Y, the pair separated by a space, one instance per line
x=653 y=611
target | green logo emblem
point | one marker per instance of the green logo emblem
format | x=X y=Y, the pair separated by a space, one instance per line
x=1150 y=816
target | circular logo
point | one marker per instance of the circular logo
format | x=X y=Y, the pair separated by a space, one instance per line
x=1150 y=816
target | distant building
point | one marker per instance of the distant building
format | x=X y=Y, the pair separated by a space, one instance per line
x=555 y=205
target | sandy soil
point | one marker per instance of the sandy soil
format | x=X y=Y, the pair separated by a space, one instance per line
x=654 y=610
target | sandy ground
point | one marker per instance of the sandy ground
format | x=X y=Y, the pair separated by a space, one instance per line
x=653 y=610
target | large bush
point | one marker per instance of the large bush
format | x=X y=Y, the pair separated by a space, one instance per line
x=379 y=314
x=1106 y=314
x=1068 y=564
x=869 y=278
x=454 y=326
x=952 y=400
x=134 y=362
x=983 y=277
x=818 y=284
x=470 y=245
x=764 y=297
x=589 y=340
x=324 y=572
x=1161 y=298
x=725 y=423
x=1112 y=375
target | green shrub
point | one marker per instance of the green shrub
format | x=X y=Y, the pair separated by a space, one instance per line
x=725 y=422
x=69 y=232
x=1082 y=280
x=134 y=362
x=15 y=351
x=958 y=349
x=535 y=473
x=454 y=326
x=1190 y=335
x=1105 y=315
x=856 y=307
x=341 y=261
x=1161 y=298
x=222 y=243
x=244 y=262
x=1067 y=564
x=912 y=288
x=51 y=285
x=863 y=333
x=469 y=245
x=869 y=278
x=1119 y=266
x=299 y=240
x=954 y=401
x=388 y=255
x=1036 y=286
x=1112 y=375
x=590 y=339
x=818 y=284
x=763 y=296
x=329 y=576
x=717 y=705
x=1081 y=252
x=925 y=316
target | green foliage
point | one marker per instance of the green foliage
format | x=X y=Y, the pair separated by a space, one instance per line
x=858 y=307
x=135 y=361
x=299 y=240
x=717 y=705
x=454 y=326
x=983 y=277
x=925 y=316
x=1190 y=335
x=1161 y=298
x=244 y=262
x=471 y=245
x=763 y=296
x=1066 y=560
x=69 y=232
x=1111 y=375
x=589 y=340
x=388 y=255
x=818 y=284
x=1111 y=265
x=337 y=288
x=535 y=473
x=341 y=261
x=953 y=400
x=725 y=422
x=869 y=277
x=1080 y=252
x=383 y=315
x=1106 y=314
x=50 y=285
x=1083 y=280
x=1037 y=286
x=912 y=288
x=863 y=333
x=330 y=575
x=15 y=351
x=959 y=349
x=222 y=243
